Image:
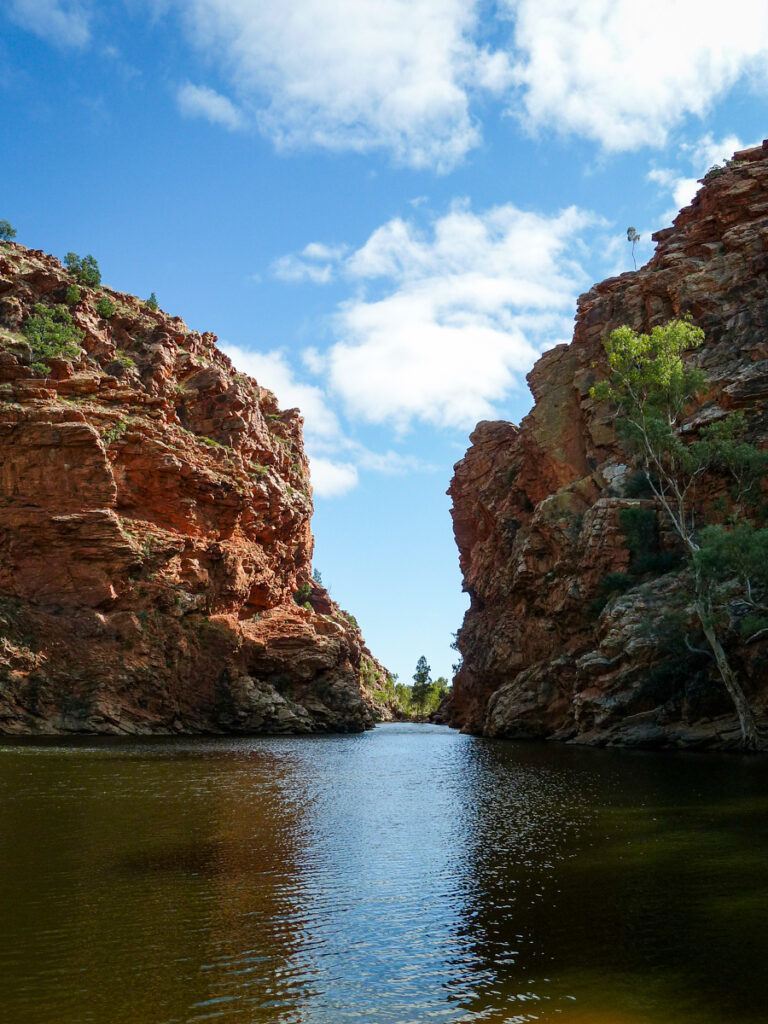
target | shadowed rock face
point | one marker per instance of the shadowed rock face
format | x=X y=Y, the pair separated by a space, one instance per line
x=154 y=527
x=536 y=508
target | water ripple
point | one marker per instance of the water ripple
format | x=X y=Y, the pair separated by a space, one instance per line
x=405 y=876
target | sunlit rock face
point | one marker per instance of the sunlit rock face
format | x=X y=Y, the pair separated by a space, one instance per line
x=154 y=528
x=536 y=508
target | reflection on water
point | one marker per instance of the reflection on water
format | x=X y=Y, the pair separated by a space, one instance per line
x=403 y=876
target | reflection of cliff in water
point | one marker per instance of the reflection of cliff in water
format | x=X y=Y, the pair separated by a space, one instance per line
x=608 y=887
x=159 y=885
x=410 y=875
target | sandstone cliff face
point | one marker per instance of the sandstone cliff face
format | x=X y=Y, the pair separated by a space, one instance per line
x=154 y=528
x=536 y=508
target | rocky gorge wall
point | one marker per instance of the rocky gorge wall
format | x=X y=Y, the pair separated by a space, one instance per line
x=536 y=507
x=155 y=511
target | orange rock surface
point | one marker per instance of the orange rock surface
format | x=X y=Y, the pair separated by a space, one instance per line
x=155 y=514
x=536 y=508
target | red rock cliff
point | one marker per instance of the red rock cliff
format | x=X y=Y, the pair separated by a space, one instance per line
x=154 y=528
x=535 y=508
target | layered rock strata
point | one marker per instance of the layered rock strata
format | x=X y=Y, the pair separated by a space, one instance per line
x=536 y=508
x=155 y=541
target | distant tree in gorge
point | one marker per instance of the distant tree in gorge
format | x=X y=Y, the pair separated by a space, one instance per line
x=7 y=231
x=152 y=302
x=422 y=685
x=316 y=576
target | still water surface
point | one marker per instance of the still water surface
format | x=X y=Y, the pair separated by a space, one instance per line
x=406 y=876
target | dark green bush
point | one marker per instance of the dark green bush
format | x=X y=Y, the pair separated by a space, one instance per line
x=152 y=302
x=638 y=485
x=752 y=624
x=72 y=295
x=301 y=596
x=105 y=307
x=613 y=583
x=7 y=231
x=51 y=334
x=85 y=269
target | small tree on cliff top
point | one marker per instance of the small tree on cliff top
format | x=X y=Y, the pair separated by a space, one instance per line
x=651 y=386
x=85 y=269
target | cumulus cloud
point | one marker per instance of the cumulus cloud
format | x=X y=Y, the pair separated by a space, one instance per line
x=200 y=101
x=402 y=75
x=63 y=22
x=461 y=313
x=332 y=479
x=355 y=75
x=625 y=73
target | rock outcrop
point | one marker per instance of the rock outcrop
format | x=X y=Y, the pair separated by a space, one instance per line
x=536 y=507
x=155 y=541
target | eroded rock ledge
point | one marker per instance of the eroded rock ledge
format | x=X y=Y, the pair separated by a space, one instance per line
x=154 y=528
x=535 y=508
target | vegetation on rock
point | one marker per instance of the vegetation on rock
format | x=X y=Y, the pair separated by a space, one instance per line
x=105 y=307
x=653 y=388
x=85 y=269
x=51 y=335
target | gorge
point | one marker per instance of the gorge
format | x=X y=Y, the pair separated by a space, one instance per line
x=155 y=540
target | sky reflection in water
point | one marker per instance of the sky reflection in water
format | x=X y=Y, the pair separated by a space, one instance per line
x=407 y=875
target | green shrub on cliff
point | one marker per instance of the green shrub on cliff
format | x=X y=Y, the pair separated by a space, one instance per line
x=51 y=335
x=105 y=307
x=652 y=388
x=7 y=231
x=85 y=269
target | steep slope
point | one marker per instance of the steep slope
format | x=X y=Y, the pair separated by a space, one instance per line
x=154 y=530
x=536 y=507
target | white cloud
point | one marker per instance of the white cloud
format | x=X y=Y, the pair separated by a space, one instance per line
x=464 y=311
x=200 y=101
x=63 y=22
x=625 y=73
x=316 y=263
x=355 y=75
x=332 y=479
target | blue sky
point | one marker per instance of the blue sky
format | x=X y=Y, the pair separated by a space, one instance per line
x=385 y=209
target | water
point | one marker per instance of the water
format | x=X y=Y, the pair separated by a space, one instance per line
x=407 y=875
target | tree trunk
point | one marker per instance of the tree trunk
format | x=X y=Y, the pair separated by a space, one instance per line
x=743 y=710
